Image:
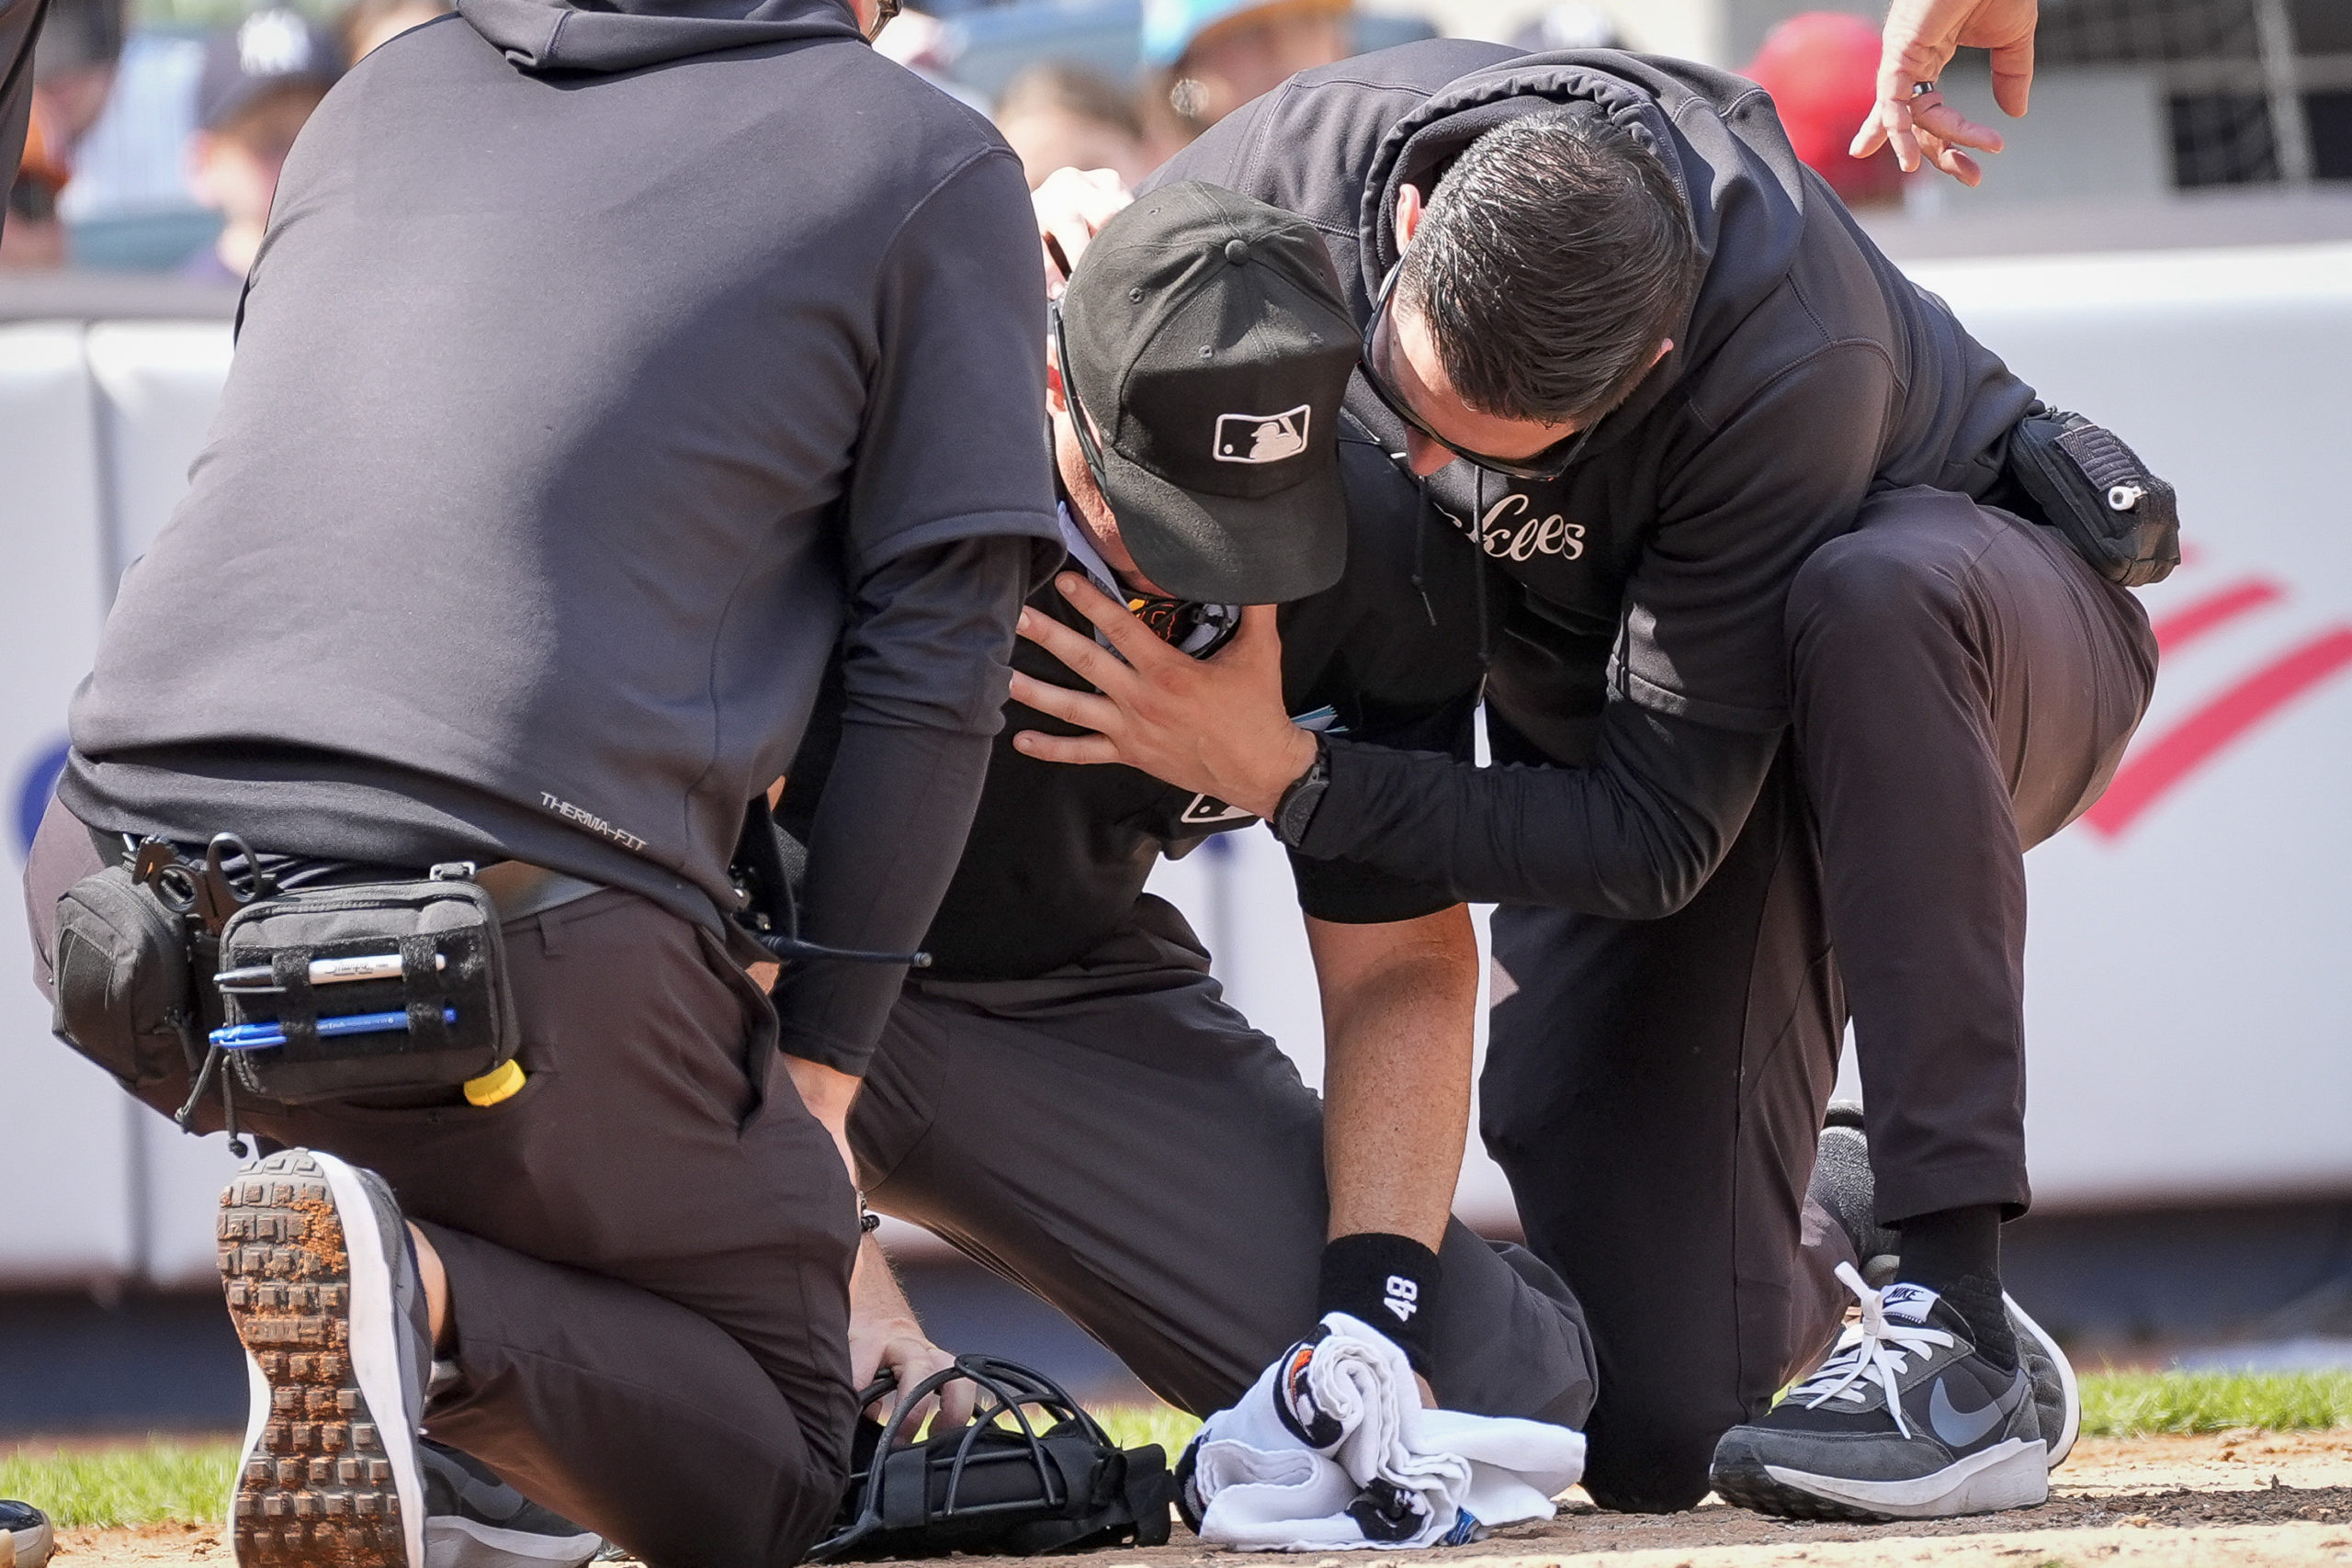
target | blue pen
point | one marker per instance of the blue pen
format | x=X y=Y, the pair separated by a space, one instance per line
x=256 y=1036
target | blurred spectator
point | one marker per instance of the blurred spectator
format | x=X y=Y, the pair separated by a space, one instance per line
x=1203 y=59
x=259 y=85
x=134 y=161
x=32 y=237
x=1061 y=115
x=372 y=22
x=1570 y=25
x=913 y=39
x=1822 y=69
x=73 y=70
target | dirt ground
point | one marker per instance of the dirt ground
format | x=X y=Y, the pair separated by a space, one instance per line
x=2260 y=1499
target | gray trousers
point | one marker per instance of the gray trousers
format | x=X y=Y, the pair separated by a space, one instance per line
x=647 y=1246
x=1119 y=1142
x=1964 y=686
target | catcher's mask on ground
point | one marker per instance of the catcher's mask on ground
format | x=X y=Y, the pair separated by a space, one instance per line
x=1032 y=1472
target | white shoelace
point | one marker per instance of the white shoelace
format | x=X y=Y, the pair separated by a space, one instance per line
x=1877 y=1350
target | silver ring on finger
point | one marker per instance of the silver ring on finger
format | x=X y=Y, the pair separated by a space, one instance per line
x=1921 y=89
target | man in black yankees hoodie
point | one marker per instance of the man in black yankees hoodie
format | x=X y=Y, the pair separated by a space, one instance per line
x=1788 y=685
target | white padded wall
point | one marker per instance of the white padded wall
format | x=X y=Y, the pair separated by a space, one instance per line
x=65 y=1206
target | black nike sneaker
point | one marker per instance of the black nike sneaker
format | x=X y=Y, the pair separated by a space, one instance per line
x=1905 y=1421
x=26 y=1539
x=475 y=1520
x=1842 y=1184
x=324 y=1289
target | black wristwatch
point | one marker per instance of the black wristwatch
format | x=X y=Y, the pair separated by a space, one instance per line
x=1295 y=813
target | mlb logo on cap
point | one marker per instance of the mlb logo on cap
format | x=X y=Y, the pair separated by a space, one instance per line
x=1263 y=437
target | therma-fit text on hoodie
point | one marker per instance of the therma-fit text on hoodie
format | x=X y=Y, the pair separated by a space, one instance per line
x=1654 y=572
x=599 y=366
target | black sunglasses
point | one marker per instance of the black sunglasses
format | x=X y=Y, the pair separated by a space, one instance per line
x=1079 y=422
x=1548 y=464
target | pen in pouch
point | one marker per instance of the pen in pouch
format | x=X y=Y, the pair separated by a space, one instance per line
x=261 y=1036
x=324 y=972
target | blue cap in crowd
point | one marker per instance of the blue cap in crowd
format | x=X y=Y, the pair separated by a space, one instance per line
x=268 y=50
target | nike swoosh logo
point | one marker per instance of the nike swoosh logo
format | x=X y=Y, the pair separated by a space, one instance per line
x=1957 y=1427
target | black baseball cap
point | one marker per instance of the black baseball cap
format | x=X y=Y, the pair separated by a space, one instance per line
x=1207 y=336
x=268 y=50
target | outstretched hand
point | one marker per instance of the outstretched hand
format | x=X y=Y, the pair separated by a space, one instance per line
x=1215 y=725
x=1920 y=39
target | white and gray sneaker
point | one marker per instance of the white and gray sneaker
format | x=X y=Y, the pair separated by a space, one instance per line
x=1905 y=1420
x=475 y=1520
x=1842 y=1184
x=322 y=1286
x=26 y=1539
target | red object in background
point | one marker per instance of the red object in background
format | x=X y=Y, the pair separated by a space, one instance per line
x=1822 y=71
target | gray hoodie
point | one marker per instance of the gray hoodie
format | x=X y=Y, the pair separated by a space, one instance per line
x=1651 y=576
x=605 y=367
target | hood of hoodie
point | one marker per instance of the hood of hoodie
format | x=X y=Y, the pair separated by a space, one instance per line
x=1715 y=132
x=622 y=34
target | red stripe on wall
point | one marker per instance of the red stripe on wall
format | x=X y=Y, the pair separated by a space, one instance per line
x=2192 y=621
x=2152 y=769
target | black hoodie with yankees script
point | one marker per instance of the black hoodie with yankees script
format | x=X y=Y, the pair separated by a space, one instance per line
x=1645 y=638
x=609 y=367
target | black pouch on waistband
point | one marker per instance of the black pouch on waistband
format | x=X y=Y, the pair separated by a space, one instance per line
x=442 y=1016
x=125 y=985
x=2095 y=490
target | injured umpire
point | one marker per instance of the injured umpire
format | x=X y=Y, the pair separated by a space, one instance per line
x=1064 y=1095
x=1812 y=630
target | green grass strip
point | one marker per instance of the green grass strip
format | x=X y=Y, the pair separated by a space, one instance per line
x=1132 y=1425
x=131 y=1484
x=2136 y=1404
x=137 y=1484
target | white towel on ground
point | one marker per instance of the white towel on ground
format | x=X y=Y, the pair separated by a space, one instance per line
x=1332 y=1448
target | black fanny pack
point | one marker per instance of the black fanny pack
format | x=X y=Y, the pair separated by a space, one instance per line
x=313 y=993
x=2084 y=481
x=372 y=988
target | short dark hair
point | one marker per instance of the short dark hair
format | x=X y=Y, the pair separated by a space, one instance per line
x=1552 y=258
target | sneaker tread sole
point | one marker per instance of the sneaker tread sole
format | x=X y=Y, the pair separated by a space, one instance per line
x=316 y=1485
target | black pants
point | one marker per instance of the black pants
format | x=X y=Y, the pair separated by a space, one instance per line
x=1117 y=1140
x=1964 y=687
x=647 y=1246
